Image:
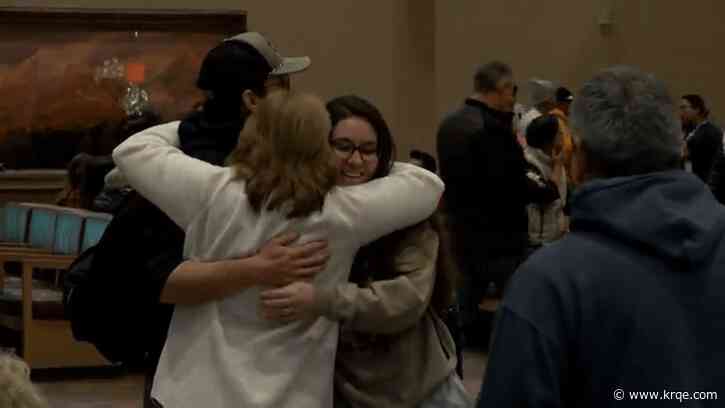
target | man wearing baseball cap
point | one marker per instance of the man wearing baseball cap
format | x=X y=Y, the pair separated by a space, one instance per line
x=235 y=75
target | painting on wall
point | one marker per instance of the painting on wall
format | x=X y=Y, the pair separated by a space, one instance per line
x=76 y=80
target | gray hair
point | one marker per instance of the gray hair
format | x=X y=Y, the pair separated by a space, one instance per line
x=16 y=390
x=626 y=122
x=488 y=75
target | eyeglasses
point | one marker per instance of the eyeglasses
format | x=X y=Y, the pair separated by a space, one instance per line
x=345 y=148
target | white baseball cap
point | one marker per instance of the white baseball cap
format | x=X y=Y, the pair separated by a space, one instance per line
x=280 y=65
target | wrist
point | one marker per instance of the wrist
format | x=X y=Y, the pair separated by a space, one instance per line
x=257 y=268
x=242 y=273
x=322 y=303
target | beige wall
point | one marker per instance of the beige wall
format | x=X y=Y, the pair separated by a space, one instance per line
x=414 y=75
x=541 y=41
x=415 y=58
x=562 y=41
x=680 y=43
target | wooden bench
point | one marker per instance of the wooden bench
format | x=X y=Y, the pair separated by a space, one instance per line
x=53 y=238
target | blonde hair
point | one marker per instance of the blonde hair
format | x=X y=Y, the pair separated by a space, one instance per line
x=16 y=390
x=284 y=156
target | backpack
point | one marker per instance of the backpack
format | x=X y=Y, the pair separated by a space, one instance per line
x=111 y=292
x=76 y=277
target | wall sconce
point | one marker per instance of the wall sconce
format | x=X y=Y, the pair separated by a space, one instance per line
x=605 y=19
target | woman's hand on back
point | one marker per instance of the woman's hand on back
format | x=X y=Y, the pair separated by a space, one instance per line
x=282 y=262
x=292 y=302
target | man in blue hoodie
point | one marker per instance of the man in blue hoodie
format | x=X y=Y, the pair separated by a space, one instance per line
x=628 y=309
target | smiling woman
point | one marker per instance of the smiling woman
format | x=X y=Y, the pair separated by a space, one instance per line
x=360 y=139
x=356 y=147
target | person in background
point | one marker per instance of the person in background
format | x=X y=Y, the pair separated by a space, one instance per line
x=543 y=155
x=703 y=139
x=424 y=160
x=452 y=316
x=717 y=177
x=486 y=192
x=519 y=112
x=394 y=350
x=630 y=300
x=85 y=181
x=564 y=98
x=16 y=389
x=70 y=196
x=478 y=153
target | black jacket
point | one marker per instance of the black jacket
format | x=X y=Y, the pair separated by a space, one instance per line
x=142 y=246
x=703 y=147
x=632 y=299
x=487 y=190
x=717 y=177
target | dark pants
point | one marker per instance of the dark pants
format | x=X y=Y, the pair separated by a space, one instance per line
x=151 y=365
x=452 y=319
x=477 y=278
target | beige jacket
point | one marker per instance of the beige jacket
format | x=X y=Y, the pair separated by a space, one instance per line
x=546 y=221
x=393 y=350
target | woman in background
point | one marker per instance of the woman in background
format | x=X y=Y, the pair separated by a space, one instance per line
x=703 y=140
x=543 y=154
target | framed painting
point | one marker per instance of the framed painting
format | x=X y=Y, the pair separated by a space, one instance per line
x=80 y=80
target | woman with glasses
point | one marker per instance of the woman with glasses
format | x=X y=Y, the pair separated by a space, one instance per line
x=394 y=350
x=224 y=353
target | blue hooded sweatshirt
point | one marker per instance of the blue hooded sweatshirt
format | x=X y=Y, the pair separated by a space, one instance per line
x=632 y=301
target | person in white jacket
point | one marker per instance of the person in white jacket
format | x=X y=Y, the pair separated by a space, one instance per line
x=281 y=178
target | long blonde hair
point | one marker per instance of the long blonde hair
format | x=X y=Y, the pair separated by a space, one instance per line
x=284 y=156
